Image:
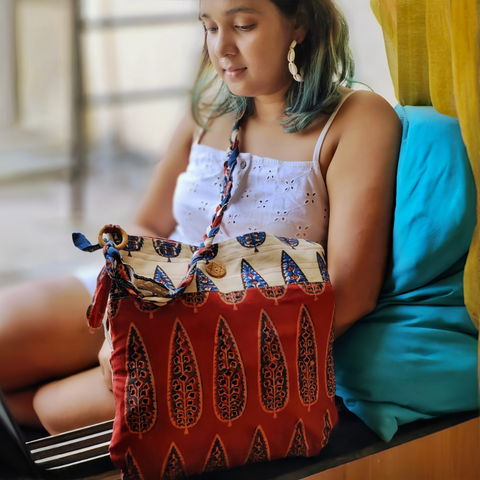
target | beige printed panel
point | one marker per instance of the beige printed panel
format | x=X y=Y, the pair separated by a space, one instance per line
x=265 y=259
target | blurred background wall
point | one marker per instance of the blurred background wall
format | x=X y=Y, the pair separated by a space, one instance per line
x=150 y=66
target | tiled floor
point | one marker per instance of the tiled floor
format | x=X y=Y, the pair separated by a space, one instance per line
x=35 y=220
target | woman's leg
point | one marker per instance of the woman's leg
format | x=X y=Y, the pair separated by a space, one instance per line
x=44 y=332
x=21 y=407
x=77 y=401
x=43 y=335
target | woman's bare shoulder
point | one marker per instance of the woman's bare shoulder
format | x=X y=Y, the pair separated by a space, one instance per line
x=368 y=109
x=217 y=133
x=367 y=131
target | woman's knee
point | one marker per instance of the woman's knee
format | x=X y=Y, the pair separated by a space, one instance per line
x=43 y=331
x=74 y=402
x=48 y=407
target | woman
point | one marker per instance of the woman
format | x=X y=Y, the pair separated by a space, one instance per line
x=319 y=160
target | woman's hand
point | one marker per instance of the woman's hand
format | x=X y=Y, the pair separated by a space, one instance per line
x=105 y=367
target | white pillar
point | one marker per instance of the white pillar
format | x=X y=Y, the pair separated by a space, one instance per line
x=8 y=100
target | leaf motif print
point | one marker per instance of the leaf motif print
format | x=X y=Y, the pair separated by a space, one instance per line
x=112 y=309
x=116 y=294
x=291 y=242
x=327 y=427
x=167 y=248
x=185 y=399
x=250 y=278
x=292 y=274
x=204 y=284
x=232 y=298
x=161 y=277
x=217 y=458
x=229 y=381
x=330 y=374
x=194 y=299
x=307 y=359
x=298 y=444
x=323 y=268
x=174 y=465
x=134 y=244
x=273 y=292
x=252 y=240
x=132 y=471
x=147 y=307
x=315 y=288
x=210 y=252
x=259 y=448
x=140 y=400
x=273 y=373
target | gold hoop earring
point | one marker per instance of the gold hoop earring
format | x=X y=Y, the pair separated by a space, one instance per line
x=291 y=62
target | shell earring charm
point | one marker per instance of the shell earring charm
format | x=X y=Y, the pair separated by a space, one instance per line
x=291 y=62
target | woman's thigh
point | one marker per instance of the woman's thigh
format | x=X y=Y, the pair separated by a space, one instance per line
x=44 y=332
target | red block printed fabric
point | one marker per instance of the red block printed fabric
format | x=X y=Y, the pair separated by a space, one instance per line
x=227 y=364
x=236 y=369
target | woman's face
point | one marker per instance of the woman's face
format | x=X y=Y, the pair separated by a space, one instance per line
x=248 y=43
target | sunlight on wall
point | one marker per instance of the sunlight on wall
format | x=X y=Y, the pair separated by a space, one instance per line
x=366 y=42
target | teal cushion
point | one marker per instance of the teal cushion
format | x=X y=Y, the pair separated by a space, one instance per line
x=415 y=355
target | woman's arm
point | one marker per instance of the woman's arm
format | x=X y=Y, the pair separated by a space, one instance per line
x=155 y=215
x=361 y=188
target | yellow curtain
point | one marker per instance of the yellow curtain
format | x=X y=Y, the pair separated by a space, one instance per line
x=433 y=51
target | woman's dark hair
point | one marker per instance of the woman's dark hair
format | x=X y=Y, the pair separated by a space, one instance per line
x=324 y=58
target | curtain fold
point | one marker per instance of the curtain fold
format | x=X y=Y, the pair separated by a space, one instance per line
x=433 y=51
x=466 y=68
x=405 y=34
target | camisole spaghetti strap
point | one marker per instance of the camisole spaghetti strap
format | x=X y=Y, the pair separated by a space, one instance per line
x=286 y=198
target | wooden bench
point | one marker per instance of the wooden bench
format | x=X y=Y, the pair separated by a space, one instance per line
x=442 y=448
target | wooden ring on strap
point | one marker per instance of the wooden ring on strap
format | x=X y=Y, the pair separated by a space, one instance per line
x=113 y=229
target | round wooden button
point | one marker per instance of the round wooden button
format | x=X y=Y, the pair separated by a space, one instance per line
x=216 y=270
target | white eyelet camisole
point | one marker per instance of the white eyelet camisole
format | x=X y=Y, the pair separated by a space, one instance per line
x=284 y=198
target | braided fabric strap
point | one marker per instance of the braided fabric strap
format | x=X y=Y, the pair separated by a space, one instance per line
x=114 y=269
x=226 y=192
x=225 y=196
